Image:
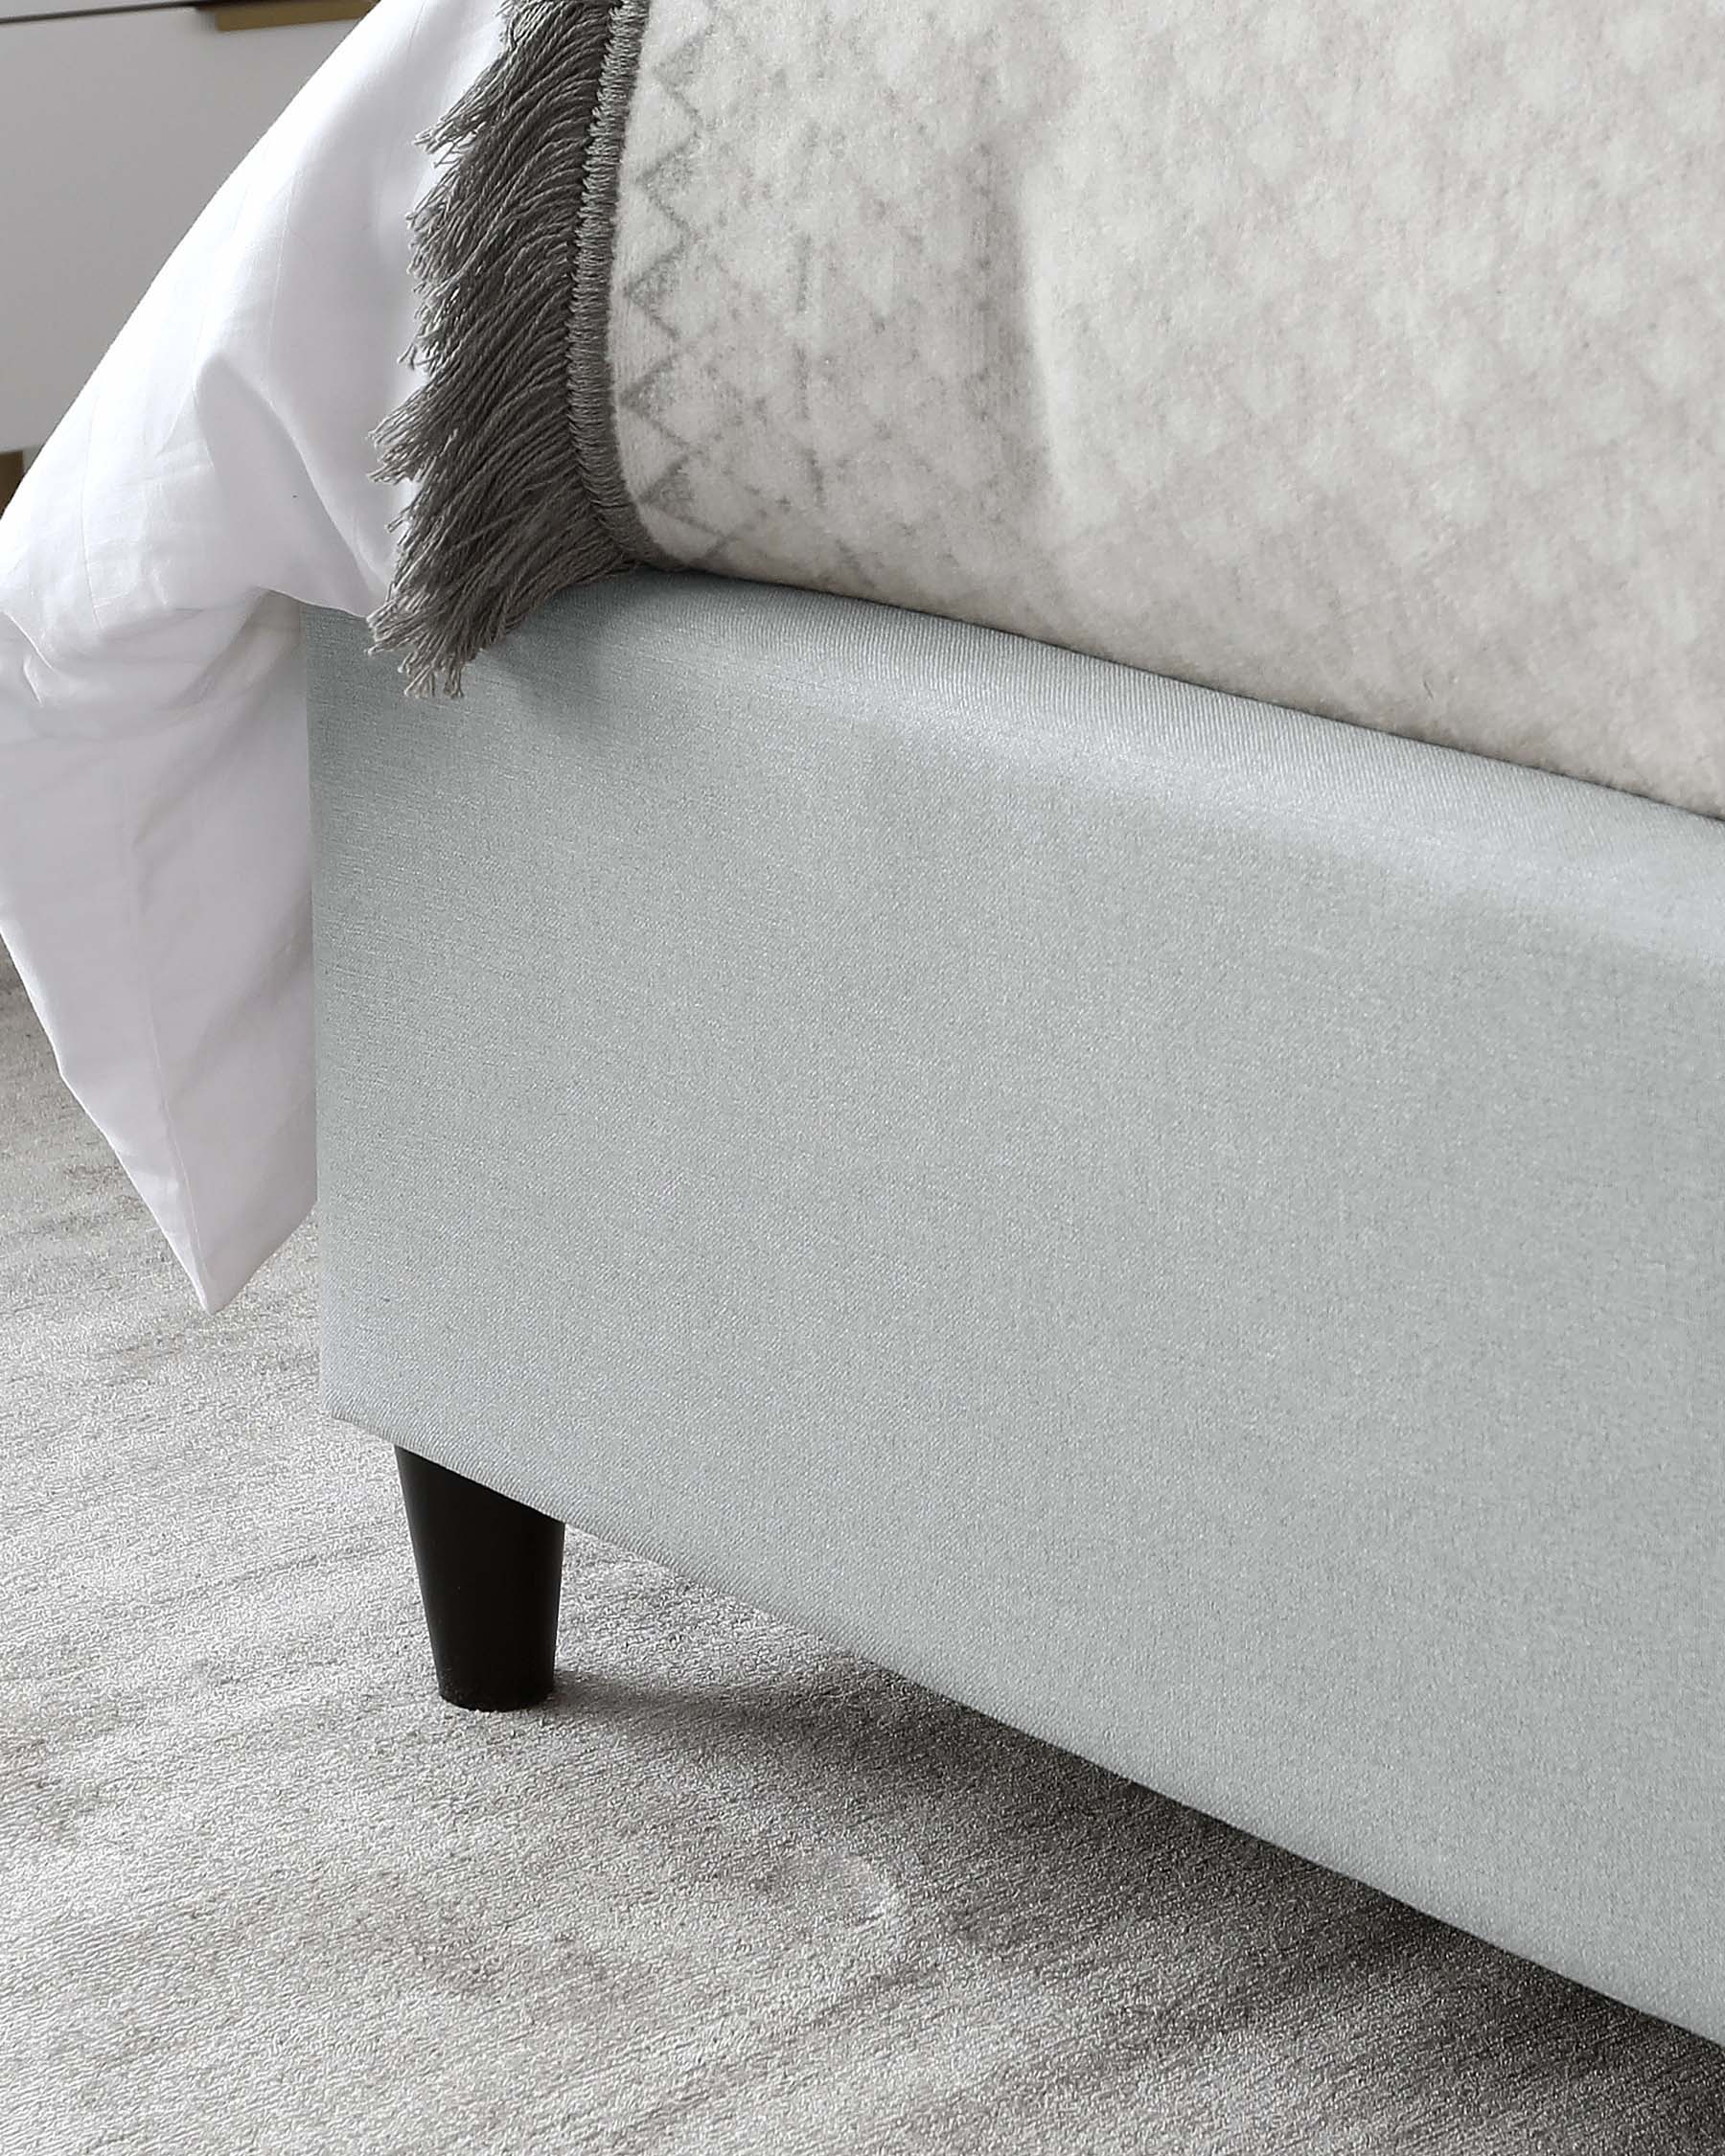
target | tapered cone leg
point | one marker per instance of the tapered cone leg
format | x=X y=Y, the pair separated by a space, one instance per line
x=489 y=1574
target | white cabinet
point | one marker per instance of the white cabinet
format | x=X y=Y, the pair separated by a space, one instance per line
x=115 y=130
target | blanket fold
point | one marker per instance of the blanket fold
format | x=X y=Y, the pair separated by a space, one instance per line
x=1369 y=367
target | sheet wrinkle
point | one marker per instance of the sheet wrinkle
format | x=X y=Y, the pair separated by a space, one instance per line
x=144 y=988
x=154 y=869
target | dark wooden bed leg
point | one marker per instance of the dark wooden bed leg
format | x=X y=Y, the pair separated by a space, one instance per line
x=489 y=1574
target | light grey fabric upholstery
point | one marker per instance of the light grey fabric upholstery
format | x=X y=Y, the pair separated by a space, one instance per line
x=1195 y=1229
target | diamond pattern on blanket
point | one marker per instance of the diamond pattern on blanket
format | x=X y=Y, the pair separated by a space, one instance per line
x=1366 y=365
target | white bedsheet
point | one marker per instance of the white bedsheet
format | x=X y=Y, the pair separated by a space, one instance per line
x=154 y=863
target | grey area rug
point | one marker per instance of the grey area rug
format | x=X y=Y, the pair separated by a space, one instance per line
x=730 y=1890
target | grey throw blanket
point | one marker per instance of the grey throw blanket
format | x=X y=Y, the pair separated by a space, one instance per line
x=1361 y=360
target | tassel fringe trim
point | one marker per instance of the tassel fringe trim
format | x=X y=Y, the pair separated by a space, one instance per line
x=510 y=438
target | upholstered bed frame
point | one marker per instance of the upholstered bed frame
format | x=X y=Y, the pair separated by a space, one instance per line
x=1196 y=1229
